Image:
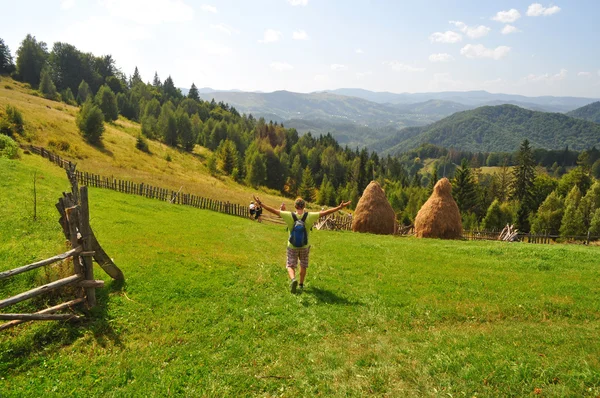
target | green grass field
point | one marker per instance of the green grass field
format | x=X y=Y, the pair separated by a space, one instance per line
x=205 y=309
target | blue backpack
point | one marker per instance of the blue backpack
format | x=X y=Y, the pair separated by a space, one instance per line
x=298 y=234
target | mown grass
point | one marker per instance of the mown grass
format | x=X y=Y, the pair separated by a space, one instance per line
x=205 y=309
x=51 y=124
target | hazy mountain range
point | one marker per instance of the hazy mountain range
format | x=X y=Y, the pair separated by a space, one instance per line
x=358 y=117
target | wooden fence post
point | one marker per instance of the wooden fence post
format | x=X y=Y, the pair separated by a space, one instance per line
x=88 y=266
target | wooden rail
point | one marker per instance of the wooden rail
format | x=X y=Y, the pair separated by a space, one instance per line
x=48 y=261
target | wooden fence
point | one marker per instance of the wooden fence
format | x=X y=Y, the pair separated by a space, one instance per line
x=74 y=219
x=166 y=195
x=542 y=238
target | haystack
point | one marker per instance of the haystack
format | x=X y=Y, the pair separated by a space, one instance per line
x=374 y=213
x=439 y=217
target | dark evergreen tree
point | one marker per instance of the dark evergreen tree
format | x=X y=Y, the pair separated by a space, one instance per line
x=90 y=122
x=433 y=179
x=307 y=187
x=47 y=87
x=136 y=78
x=156 y=81
x=107 y=102
x=6 y=60
x=524 y=175
x=83 y=92
x=463 y=187
x=194 y=94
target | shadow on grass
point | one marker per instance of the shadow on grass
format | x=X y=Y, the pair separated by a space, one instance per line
x=328 y=297
x=21 y=347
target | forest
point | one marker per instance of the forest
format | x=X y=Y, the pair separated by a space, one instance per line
x=543 y=191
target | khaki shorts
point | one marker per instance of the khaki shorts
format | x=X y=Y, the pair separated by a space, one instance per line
x=295 y=254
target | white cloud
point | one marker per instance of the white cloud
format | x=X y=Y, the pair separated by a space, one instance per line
x=338 y=67
x=300 y=35
x=507 y=16
x=360 y=75
x=537 y=10
x=321 y=78
x=209 y=8
x=479 y=51
x=298 y=2
x=228 y=30
x=67 y=4
x=584 y=74
x=400 y=67
x=271 y=36
x=473 y=32
x=281 y=66
x=547 y=78
x=359 y=51
x=446 y=37
x=150 y=12
x=508 y=29
x=441 y=57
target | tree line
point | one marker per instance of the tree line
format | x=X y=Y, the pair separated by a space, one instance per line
x=532 y=188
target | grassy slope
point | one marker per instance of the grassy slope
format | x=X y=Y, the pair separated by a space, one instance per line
x=54 y=121
x=205 y=310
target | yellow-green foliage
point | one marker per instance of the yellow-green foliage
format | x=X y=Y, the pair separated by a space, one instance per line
x=49 y=121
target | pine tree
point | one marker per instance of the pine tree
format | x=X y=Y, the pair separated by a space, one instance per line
x=227 y=156
x=433 y=180
x=107 y=101
x=184 y=130
x=595 y=224
x=463 y=188
x=47 y=87
x=83 y=92
x=193 y=93
x=6 y=59
x=307 y=187
x=156 y=81
x=524 y=175
x=136 y=78
x=90 y=122
x=572 y=221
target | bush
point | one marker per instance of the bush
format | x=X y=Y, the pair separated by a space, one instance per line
x=8 y=147
x=60 y=145
x=142 y=144
x=168 y=158
x=90 y=122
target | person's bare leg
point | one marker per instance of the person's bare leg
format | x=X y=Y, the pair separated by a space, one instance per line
x=302 y=275
x=292 y=273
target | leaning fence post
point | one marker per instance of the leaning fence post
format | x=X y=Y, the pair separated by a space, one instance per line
x=84 y=223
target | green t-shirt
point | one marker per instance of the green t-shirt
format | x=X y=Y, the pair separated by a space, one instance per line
x=289 y=220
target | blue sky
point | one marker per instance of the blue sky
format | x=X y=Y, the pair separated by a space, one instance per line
x=520 y=47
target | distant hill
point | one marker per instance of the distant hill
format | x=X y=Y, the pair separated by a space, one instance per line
x=497 y=128
x=589 y=112
x=472 y=99
x=433 y=107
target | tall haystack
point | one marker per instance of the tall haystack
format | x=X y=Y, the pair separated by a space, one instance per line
x=374 y=213
x=439 y=217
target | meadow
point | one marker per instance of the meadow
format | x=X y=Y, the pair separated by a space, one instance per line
x=205 y=309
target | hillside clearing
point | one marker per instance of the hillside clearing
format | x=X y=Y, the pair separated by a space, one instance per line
x=205 y=309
